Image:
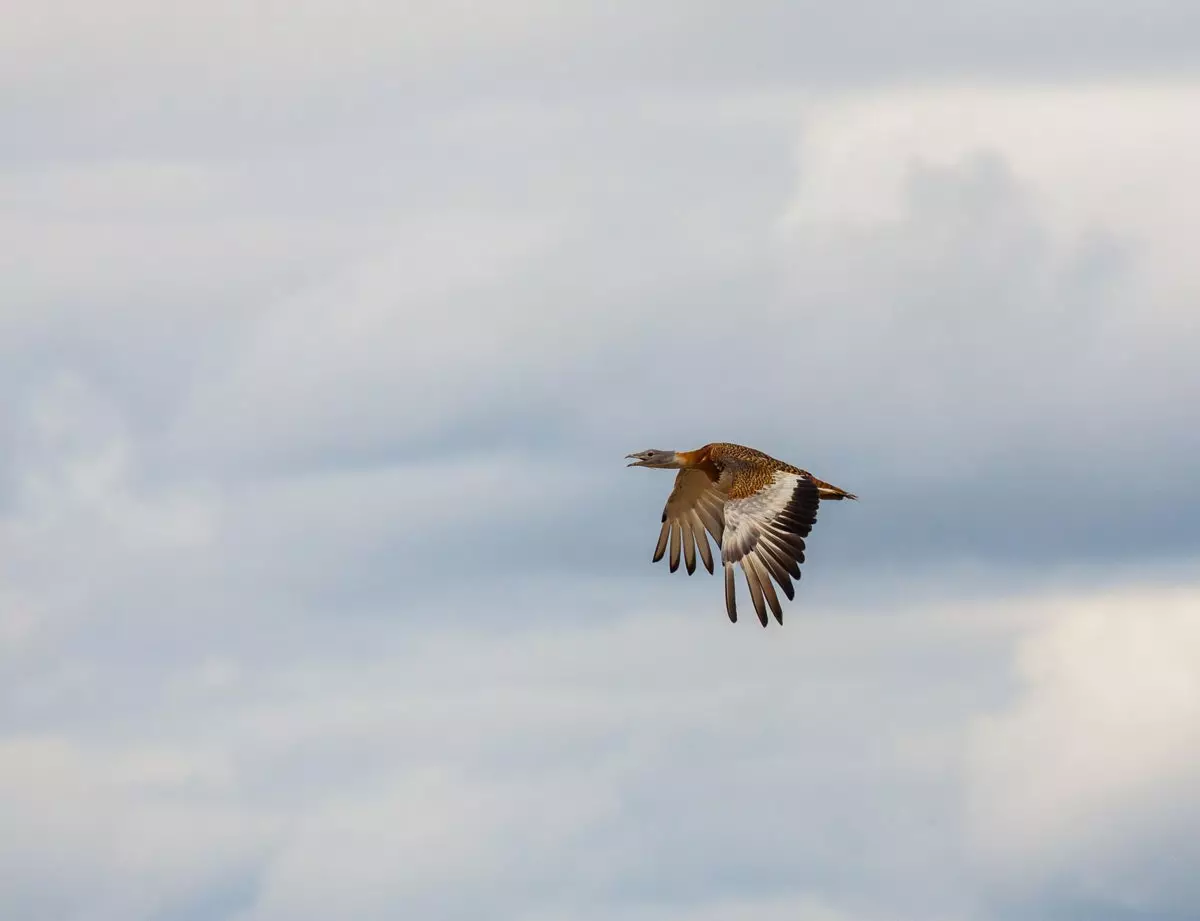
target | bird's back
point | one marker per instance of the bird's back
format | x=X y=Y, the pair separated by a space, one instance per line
x=750 y=470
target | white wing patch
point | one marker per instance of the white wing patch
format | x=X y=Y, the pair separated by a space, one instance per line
x=744 y=517
x=764 y=533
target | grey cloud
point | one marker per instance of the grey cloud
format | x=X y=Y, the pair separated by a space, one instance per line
x=522 y=764
x=958 y=350
x=546 y=770
x=256 y=67
x=315 y=536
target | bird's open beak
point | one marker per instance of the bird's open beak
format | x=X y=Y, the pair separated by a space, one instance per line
x=637 y=462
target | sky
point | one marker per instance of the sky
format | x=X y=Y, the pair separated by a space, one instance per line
x=324 y=588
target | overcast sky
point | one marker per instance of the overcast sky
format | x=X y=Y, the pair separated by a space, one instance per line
x=324 y=589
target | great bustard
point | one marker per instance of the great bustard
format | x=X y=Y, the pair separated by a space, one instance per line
x=758 y=510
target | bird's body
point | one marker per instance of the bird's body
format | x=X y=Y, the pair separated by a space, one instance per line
x=758 y=509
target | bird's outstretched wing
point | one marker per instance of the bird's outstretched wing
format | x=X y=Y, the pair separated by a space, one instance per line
x=696 y=504
x=765 y=529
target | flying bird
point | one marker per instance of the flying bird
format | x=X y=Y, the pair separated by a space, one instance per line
x=758 y=509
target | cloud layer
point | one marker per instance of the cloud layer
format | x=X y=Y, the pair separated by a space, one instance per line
x=323 y=589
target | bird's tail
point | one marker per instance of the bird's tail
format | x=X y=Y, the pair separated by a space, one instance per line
x=829 y=491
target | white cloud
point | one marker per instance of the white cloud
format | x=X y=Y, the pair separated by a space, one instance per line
x=1108 y=157
x=397 y=342
x=111 y=831
x=81 y=526
x=1037 y=297
x=191 y=550
x=234 y=48
x=261 y=58
x=983 y=284
x=1090 y=779
x=430 y=840
x=994 y=261
x=798 y=907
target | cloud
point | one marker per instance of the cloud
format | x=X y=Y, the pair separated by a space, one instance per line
x=1085 y=785
x=522 y=765
x=991 y=323
x=324 y=586
x=97 y=829
x=224 y=58
x=791 y=908
x=546 y=769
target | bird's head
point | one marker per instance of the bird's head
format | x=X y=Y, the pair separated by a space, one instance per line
x=667 y=460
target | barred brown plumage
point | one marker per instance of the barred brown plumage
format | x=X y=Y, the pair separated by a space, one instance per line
x=758 y=509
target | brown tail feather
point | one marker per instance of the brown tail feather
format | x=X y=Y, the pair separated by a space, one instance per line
x=829 y=491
